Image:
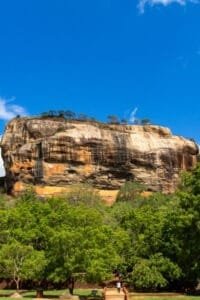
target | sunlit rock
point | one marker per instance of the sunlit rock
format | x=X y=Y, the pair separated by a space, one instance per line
x=55 y=153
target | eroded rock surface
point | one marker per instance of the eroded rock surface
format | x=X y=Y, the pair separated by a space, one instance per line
x=57 y=153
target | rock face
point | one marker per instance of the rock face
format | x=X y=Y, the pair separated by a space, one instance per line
x=56 y=153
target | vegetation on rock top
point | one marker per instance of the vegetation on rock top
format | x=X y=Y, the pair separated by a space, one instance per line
x=70 y=115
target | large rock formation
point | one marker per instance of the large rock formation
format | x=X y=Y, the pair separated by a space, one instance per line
x=55 y=153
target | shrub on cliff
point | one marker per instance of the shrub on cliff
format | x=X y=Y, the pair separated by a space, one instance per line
x=83 y=194
x=130 y=191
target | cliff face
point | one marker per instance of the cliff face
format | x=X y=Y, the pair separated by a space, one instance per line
x=57 y=153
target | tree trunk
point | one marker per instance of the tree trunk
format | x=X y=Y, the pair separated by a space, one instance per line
x=17 y=281
x=71 y=283
x=39 y=293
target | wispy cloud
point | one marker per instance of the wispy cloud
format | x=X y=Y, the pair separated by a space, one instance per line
x=143 y=3
x=132 y=116
x=9 y=110
x=2 y=170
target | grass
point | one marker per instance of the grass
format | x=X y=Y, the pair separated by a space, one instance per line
x=86 y=293
x=57 y=293
x=171 y=298
x=4 y=294
x=178 y=297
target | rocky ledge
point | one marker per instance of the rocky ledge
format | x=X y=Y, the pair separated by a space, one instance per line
x=56 y=153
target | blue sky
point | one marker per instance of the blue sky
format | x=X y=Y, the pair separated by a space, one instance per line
x=102 y=57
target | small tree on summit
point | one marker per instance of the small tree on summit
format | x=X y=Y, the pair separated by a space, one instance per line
x=145 y=121
x=124 y=121
x=51 y=113
x=61 y=113
x=70 y=114
x=112 y=119
x=82 y=117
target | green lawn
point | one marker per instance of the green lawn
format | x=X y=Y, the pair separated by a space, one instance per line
x=87 y=293
x=178 y=297
x=50 y=293
x=6 y=292
x=57 y=293
x=171 y=298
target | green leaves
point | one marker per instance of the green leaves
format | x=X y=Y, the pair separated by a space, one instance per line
x=59 y=238
x=131 y=192
x=20 y=262
x=147 y=276
x=153 y=241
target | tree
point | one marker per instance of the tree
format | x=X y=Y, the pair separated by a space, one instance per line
x=136 y=122
x=61 y=113
x=190 y=181
x=182 y=229
x=82 y=117
x=112 y=119
x=70 y=114
x=83 y=243
x=69 y=238
x=84 y=194
x=153 y=273
x=124 y=121
x=130 y=191
x=92 y=119
x=52 y=113
x=44 y=114
x=145 y=121
x=21 y=262
x=148 y=261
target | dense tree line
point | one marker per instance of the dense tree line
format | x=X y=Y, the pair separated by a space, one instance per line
x=154 y=242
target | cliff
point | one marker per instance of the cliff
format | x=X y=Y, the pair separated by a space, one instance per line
x=55 y=153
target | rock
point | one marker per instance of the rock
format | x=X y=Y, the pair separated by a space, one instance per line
x=54 y=153
x=67 y=296
x=16 y=295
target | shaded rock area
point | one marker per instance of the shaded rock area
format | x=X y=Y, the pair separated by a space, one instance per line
x=57 y=153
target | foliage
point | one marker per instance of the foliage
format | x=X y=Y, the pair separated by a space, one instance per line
x=147 y=262
x=190 y=182
x=130 y=191
x=112 y=119
x=84 y=244
x=145 y=121
x=153 y=241
x=85 y=194
x=153 y=273
x=67 y=237
x=18 y=261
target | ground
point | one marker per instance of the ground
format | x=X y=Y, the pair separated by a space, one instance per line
x=85 y=294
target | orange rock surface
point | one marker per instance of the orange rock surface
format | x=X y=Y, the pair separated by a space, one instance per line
x=53 y=153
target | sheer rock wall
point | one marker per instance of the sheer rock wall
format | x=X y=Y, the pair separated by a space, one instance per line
x=56 y=153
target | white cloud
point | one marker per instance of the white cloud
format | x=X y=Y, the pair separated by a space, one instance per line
x=9 y=111
x=143 y=3
x=2 y=170
x=132 y=117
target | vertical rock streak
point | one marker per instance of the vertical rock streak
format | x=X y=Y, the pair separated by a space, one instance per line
x=55 y=152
